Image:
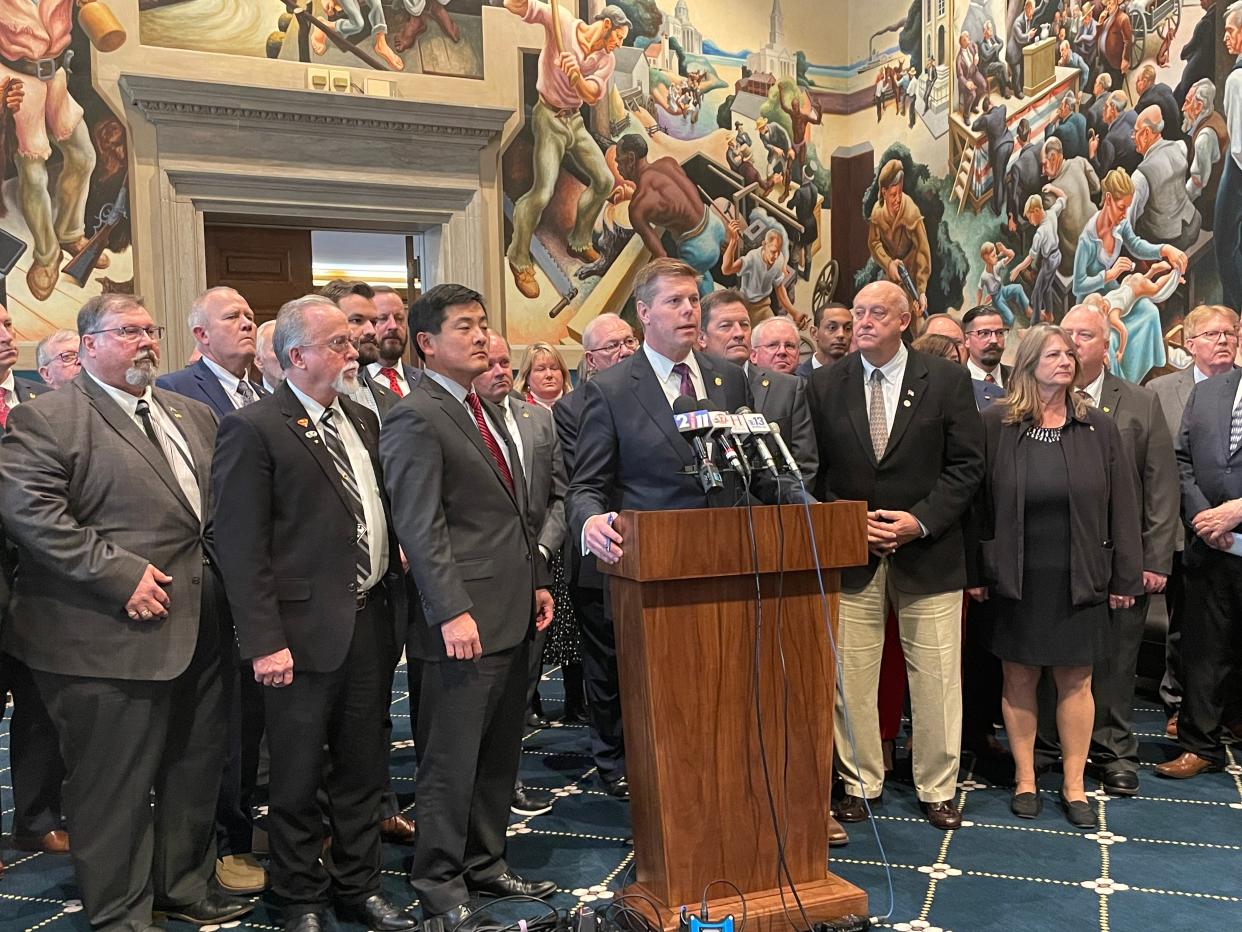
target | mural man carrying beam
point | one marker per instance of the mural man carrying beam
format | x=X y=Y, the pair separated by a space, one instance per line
x=575 y=64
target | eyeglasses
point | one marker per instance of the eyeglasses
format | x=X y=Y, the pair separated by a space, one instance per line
x=1213 y=336
x=987 y=334
x=130 y=333
x=67 y=358
x=614 y=345
x=773 y=347
x=339 y=345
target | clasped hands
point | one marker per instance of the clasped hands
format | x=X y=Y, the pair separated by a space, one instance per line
x=887 y=530
x=1215 y=525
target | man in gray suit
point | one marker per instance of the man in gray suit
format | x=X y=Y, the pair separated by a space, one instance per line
x=1162 y=211
x=1209 y=455
x=459 y=505
x=104 y=490
x=539 y=452
x=725 y=332
x=1146 y=439
x=1210 y=332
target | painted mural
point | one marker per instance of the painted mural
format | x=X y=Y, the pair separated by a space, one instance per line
x=442 y=37
x=1029 y=154
x=64 y=218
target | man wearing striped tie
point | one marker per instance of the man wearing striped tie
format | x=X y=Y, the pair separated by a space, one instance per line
x=313 y=574
x=460 y=508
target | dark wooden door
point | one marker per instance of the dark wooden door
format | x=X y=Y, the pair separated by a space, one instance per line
x=269 y=266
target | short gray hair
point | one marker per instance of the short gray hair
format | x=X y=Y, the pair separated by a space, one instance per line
x=1119 y=101
x=1204 y=90
x=767 y=324
x=197 y=315
x=596 y=324
x=262 y=335
x=43 y=352
x=293 y=326
x=1105 y=80
x=615 y=15
x=1069 y=97
x=1233 y=11
x=1053 y=144
x=100 y=306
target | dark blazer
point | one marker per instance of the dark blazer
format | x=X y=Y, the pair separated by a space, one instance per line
x=1072 y=131
x=546 y=479
x=567 y=414
x=1199 y=53
x=28 y=389
x=384 y=396
x=1025 y=178
x=1146 y=438
x=1106 y=555
x=931 y=468
x=89 y=502
x=200 y=383
x=1116 y=148
x=628 y=451
x=805 y=368
x=468 y=539
x=285 y=530
x=1161 y=95
x=986 y=393
x=1210 y=473
x=781 y=398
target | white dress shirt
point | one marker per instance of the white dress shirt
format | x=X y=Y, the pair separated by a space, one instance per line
x=670 y=381
x=815 y=363
x=498 y=430
x=505 y=405
x=1204 y=153
x=978 y=372
x=373 y=371
x=894 y=371
x=173 y=444
x=1095 y=388
x=364 y=476
x=10 y=390
x=228 y=381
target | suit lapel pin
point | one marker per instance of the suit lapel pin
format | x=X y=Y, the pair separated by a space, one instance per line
x=303 y=422
x=910 y=392
x=906 y=402
x=175 y=413
x=525 y=414
x=719 y=381
x=1107 y=409
x=765 y=383
x=311 y=435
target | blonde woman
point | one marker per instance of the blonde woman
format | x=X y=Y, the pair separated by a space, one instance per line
x=1057 y=554
x=544 y=377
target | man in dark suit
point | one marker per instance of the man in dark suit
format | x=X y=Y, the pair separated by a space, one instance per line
x=313 y=575
x=13 y=390
x=357 y=300
x=223 y=327
x=606 y=341
x=460 y=509
x=1199 y=52
x=392 y=328
x=1094 y=110
x=1114 y=147
x=225 y=336
x=1069 y=126
x=1147 y=442
x=984 y=330
x=778 y=395
x=899 y=430
x=1210 y=333
x=539 y=452
x=1024 y=175
x=832 y=331
x=1209 y=457
x=993 y=123
x=116 y=610
x=1153 y=93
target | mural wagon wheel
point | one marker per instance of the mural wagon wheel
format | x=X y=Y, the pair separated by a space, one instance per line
x=1139 y=44
x=825 y=285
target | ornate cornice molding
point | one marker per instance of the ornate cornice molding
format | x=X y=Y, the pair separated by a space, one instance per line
x=163 y=100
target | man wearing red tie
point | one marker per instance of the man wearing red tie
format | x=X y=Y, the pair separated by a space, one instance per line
x=459 y=503
x=394 y=336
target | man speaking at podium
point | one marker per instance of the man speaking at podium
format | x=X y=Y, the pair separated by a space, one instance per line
x=629 y=448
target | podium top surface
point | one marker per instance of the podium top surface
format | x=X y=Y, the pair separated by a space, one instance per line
x=710 y=542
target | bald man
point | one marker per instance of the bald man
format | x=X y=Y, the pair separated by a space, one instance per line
x=1162 y=211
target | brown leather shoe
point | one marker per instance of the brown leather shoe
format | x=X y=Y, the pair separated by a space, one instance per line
x=837 y=837
x=587 y=254
x=397 y=829
x=525 y=281
x=1170 y=727
x=850 y=809
x=1187 y=765
x=54 y=842
x=943 y=815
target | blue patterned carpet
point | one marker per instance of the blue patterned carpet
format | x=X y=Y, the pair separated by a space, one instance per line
x=1169 y=859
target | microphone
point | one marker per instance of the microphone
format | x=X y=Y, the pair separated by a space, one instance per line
x=695 y=423
x=723 y=425
x=757 y=424
x=790 y=463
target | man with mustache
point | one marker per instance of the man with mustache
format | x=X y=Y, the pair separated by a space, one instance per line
x=393 y=329
x=117 y=610
x=357 y=300
x=313 y=574
x=985 y=344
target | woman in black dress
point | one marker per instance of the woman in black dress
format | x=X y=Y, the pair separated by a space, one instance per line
x=1061 y=546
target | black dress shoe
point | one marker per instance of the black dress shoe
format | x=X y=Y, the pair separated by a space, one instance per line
x=528 y=802
x=851 y=809
x=378 y=914
x=620 y=787
x=535 y=720
x=1119 y=782
x=214 y=908
x=1026 y=805
x=510 y=884
x=943 y=816
x=451 y=919
x=311 y=922
x=1077 y=812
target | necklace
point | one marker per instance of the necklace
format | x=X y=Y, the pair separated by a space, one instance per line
x=1045 y=434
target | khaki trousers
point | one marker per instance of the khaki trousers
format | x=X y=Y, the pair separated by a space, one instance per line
x=931 y=637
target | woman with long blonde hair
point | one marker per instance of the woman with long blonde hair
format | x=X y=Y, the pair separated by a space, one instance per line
x=1061 y=544
x=544 y=376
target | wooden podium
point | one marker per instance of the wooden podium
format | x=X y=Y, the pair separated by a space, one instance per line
x=683 y=598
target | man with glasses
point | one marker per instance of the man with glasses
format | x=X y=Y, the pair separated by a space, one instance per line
x=917 y=462
x=1210 y=332
x=313 y=575
x=984 y=329
x=57 y=358
x=118 y=612
x=606 y=341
